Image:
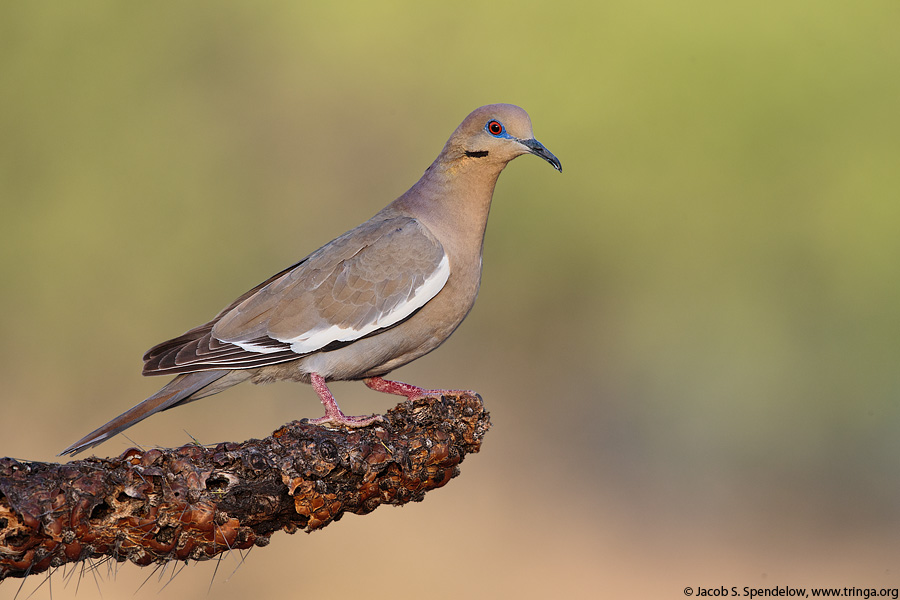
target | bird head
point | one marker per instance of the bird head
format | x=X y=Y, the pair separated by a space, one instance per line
x=498 y=133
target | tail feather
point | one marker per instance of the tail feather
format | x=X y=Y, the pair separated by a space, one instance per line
x=176 y=391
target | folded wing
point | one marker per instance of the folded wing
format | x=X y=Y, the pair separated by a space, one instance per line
x=369 y=279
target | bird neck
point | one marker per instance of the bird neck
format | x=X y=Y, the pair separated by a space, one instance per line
x=453 y=199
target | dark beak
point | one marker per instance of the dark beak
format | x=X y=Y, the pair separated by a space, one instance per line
x=537 y=148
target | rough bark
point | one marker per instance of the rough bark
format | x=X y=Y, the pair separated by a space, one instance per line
x=194 y=502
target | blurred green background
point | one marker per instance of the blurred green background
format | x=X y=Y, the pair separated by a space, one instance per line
x=689 y=341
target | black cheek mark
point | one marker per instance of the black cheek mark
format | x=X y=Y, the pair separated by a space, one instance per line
x=476 y=153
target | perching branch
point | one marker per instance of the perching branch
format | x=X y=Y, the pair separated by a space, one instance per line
x=193 y=502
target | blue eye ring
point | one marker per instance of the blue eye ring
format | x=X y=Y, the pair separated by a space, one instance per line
x=495 y=128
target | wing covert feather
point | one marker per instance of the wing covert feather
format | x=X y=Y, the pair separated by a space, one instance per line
x=370 y=278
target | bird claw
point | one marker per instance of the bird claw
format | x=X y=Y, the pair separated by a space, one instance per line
x=341 y=420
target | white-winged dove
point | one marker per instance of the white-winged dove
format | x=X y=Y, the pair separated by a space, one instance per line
x=379 y=296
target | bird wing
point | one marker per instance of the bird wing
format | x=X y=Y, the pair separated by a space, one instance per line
x=369 y=279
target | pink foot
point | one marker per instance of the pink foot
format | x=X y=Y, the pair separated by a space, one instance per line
x=411 y=392
x=333 y=414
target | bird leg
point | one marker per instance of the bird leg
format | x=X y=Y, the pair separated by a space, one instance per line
x=411 y=392
x=333 y=413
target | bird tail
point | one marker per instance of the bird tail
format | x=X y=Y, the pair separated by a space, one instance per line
x=177 y=391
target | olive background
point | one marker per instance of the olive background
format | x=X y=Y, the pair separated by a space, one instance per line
x=688 y=341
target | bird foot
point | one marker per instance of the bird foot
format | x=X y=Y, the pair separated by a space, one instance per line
x=412 y=392
x=342 y=420
x=334 y=416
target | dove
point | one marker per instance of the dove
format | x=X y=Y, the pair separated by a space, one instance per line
x=377 y=297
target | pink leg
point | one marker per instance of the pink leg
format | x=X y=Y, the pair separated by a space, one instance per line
x=333 y=413
x=399 y=388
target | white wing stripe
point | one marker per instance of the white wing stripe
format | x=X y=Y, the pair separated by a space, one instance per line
x=250 y=347
x=315 y=339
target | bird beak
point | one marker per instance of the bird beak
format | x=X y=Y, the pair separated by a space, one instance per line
x=537 y=148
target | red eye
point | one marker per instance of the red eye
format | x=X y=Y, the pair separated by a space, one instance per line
x=495 y=128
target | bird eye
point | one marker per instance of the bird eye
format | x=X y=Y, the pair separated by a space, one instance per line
x=495 y=128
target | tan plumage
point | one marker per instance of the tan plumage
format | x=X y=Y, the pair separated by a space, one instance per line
x=373 y=299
